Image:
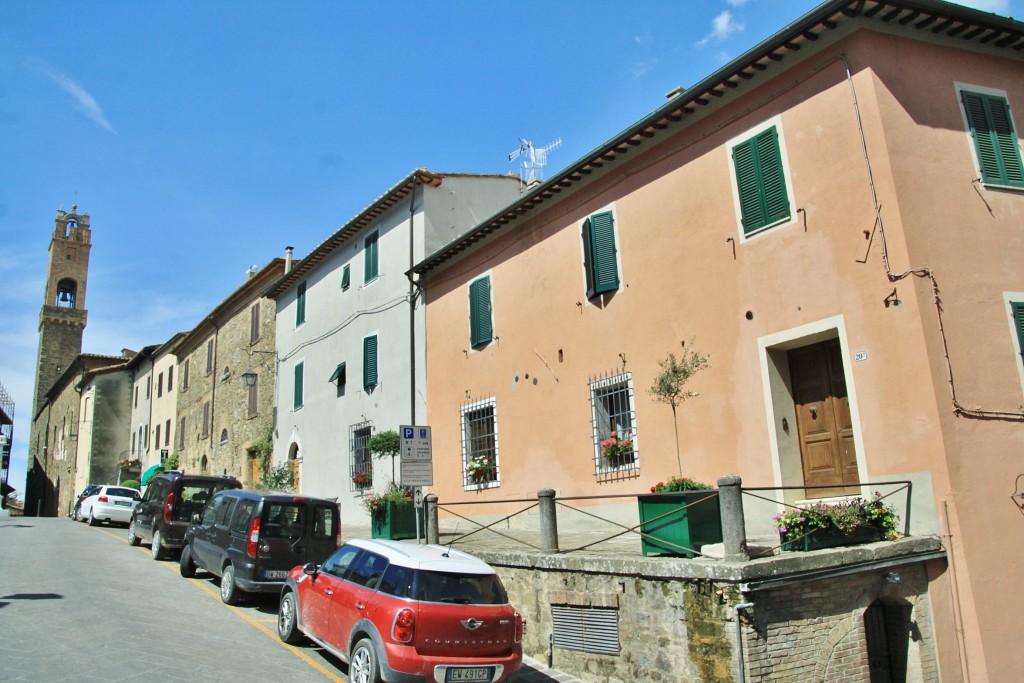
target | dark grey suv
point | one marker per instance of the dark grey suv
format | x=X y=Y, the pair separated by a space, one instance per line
x=167 y=507
x=252 y=539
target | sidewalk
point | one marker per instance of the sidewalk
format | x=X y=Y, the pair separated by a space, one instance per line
x=535 y=672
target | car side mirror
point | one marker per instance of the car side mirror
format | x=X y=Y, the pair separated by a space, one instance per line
x=310 y=568
x=195 y=518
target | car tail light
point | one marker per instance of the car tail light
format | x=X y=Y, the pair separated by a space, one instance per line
x=254 y=538
x=520 y=627
x=168 y=507
x=405 y=625
x=103 y=499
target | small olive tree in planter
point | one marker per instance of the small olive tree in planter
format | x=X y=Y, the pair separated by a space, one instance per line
x=670 y=385
x=392 y=514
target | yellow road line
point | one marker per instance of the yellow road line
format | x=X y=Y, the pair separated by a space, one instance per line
x=258 y=623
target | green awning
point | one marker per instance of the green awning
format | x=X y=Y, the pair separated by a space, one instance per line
x=150 y=473
x=339 y=374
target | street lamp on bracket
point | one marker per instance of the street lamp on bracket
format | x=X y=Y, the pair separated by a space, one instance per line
x=249 y=377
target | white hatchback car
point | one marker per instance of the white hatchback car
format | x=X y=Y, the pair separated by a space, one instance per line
x=110 y=504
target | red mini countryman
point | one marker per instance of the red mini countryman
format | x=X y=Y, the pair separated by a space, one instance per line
x=405 y=612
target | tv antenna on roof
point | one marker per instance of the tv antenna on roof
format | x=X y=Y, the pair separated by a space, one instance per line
x=532 y=160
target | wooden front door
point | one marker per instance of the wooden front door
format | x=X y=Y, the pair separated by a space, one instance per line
x=827 y=450
x=295 y=475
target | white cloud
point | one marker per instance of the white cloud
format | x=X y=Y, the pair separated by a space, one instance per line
x=641 y=68
x=85 y=102
x=722 y=26
x=737 y=3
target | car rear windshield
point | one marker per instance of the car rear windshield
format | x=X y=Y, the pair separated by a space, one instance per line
x=283 y=520
x=193 y=498
x=124 y=493
x=430 y=586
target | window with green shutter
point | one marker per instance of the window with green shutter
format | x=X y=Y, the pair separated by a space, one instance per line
x=300 y=304
x=760 y=181
x=345 y=277
x=599 y=254
x=297 y=392
x=370 y=361
x=481 y=329
x=1018 y=324
x=995 y=141
x=370 y=257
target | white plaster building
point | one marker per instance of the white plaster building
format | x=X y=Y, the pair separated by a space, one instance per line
x=350 y=345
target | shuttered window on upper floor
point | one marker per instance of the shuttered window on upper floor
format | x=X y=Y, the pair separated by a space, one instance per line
x=297 y=398
x=370 y=257
x=300 y=304
x=1018 y=325
x=481 y=327
x=370 y=361
x=995 y=140
x=760 y=181
x=600 y=254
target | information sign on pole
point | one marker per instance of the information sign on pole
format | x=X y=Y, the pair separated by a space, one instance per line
x=417 y=466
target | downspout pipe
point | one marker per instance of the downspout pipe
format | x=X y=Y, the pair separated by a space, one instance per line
x=740 y=662
x=412 y=306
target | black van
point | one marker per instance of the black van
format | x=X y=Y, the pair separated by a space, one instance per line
x=252 y=539
x=167 y=507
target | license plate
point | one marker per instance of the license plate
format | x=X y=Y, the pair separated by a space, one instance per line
x=125 y=503
x=470 y=674
x=275 y=574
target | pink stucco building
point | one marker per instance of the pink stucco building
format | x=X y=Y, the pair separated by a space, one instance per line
x=835 y=217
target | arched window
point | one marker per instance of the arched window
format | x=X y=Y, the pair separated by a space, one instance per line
x=224 y=436
x=67 y=290
x=204 y=465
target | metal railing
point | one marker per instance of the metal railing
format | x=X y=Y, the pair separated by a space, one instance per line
x=729 y=495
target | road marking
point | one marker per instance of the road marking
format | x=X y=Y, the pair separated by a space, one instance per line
x=258 y=623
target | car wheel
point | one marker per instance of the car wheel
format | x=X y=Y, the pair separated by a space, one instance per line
x=157 y=548
x=133 y=538
x=229 y=592
x=92 y=519
x=287 y=620
x=185 y=565
x=362 y=667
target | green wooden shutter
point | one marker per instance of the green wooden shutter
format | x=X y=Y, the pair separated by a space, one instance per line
x=300 y=304
x=345 y=277
x=370 y=257
x=760 y=181
x=603 y=251
x=297 y=392
x=370 y=361
x=481 y=329
x=995 y=140
x=1018 y=324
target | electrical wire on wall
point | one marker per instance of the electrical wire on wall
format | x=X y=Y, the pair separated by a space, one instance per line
x=958 y=408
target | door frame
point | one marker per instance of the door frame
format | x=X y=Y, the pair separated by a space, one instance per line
x=787 y=469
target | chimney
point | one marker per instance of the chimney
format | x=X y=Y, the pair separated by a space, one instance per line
x=288 y=258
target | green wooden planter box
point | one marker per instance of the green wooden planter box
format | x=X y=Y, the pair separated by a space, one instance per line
x=830 y=537
x=397 y=523
x=670 y=528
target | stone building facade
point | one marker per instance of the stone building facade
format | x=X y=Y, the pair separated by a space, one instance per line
x=219 y=417
x=69 y=448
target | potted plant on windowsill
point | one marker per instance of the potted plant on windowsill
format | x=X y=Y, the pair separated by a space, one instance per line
x=827 y=525
x=618 y=452
x=481 y=470
x=679 y=517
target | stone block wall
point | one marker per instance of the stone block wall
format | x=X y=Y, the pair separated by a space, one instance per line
x=685 y=630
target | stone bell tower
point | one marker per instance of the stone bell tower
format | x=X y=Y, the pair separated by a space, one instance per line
x=63 y=316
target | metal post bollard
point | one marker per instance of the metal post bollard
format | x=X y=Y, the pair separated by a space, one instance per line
x=430 y=505
x=548 y=521
x=734 y=530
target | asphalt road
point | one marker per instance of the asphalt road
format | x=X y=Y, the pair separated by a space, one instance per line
x=77 y=603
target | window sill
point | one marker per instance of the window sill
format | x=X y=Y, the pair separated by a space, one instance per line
x=745 y=236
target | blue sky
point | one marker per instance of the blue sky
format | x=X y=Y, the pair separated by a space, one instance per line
x=205 y=137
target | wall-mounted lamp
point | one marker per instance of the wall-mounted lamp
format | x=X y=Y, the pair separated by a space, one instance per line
x=892 y=577
x=73 y=436
x=249 y=378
